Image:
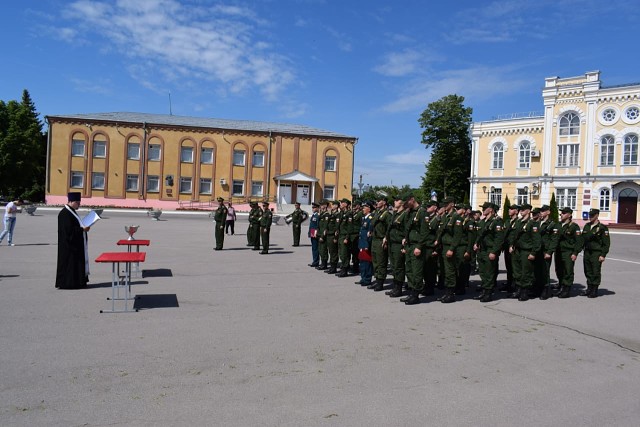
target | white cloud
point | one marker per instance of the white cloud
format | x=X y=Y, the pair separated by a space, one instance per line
x=398 y=64
x=342 y=39
x=218 y=44
x=413 y=157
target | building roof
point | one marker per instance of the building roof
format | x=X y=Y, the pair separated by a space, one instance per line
x=296 y=175
x=203 y=122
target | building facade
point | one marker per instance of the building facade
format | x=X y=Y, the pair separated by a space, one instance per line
x=165 y=161
x=583 y=148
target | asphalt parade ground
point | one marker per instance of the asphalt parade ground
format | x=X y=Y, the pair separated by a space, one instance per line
x=235 y=338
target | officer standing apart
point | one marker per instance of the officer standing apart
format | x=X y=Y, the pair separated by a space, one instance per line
x=596 y=247
x=265 y=227
x=297 y=218
x=488 y=245
x=549 y=234
x=569 y=246
x=314 y=222
x=220 y=218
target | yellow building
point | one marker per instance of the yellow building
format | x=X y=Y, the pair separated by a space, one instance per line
x=583 y=147
x=165 y=161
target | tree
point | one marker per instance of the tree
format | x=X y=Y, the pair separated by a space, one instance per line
x=22 y=150
x=505 y=210
x=446 y=132
x=553 y=207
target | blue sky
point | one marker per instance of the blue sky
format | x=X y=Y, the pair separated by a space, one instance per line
x=361 y=68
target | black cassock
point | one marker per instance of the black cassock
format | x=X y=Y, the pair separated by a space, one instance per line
x=71 y=256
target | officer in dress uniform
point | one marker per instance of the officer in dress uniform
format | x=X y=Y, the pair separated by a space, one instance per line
x=356 y=221
x=364 y=244
x=220 y=217
x=314 y=223
x=380 y=221
x=526 y=244
x=297 y=218
x=323 y=222
x=265 y=227
x=596 y=247
x=488 y=244
x=569 y=246
x=549 y=233
x=395 y=235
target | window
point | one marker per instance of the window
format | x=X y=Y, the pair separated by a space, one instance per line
x=630 y=150
x=567 y=197
x=632 y=114
x=154 y=152
x=238 y=158
x=495 y=196
x=524 y=155
x=258 y=159
x=100 y=149
x=133 y=151
x=185 y=184
x=568 y=155
x=522 y=197
x=498 y=156
x=97 y=180
x=77 y=180
x=607 y=150
x=570 y=124
x=132 y=182
x=329 y=192
x=186 y=154
x=256 y=189
x=77 y=148
x=206 y=156
x=605 y=200
x=153 y=183
x=205 y=185
x=330 y=163
x=238 y=188
x=609 y=115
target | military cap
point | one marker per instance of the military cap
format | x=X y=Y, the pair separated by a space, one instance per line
x=371 y=205
x=297 y=203
x=398 y=197
x=357 y=202
x=486 y=205
x=545 y=208
x=535 y=211
x=566 y=210
x=265 y=202
x=315 y=205
x=460 y=206
x=476 y=212
x=324 y=202
x=594 y=212
x=467 y=206
x=429 y=203
x=345 y=200
x=496 y=207
x=448 y=200
x=220 y=199
x=407 y=197
x=335 y=202
x=516 y=207
x=525 y=206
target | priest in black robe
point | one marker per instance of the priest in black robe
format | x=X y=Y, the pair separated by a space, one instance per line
x=73 y=257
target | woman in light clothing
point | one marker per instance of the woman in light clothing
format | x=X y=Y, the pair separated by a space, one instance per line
x=231 y=219
x=10 y=221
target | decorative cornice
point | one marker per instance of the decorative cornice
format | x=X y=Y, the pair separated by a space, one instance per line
x=512 y=131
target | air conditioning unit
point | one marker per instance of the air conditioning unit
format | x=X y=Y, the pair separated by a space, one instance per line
x=535 y=153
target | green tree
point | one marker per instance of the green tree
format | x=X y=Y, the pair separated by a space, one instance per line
x=553 y=207
x=446 y=132
x=505 y=209
x=22 y=150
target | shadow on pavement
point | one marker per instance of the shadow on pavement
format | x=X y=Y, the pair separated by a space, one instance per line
x=156 y=301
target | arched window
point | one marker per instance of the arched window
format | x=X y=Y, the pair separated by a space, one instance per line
x=524 y=155
x=630 y=151
x=570 y=124
x=607 y=150
x=605 y=200
x=498 y=156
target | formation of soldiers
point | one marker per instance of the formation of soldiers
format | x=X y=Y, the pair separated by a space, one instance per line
x=435 y=245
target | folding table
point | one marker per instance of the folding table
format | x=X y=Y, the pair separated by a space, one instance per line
x=118 y=280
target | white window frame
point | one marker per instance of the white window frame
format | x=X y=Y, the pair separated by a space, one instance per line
x=495 y=196
x=329 y=192
x=524 y=155
x=330 y=163
x=186 y=154
x=155 y=153
x=237 y=161
x=522 y=196
x=99 y=149
x=630 y=150
x=205 y=186
x=77 y=148
x=605 y=200
x=206 y=156
x=257 y=189
x=607 y=151
x=237 y=184
x=76 y=179
x=153 y=184
x=569 y=125
x=97 y=180
x=130 y=147
x=258 y=159
x=568 y=155
x=186 y=185
x=132 y=182
x=497 y=156
x=567 y=197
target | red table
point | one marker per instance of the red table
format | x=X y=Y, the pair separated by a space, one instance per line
x=118 y=280
x=137 y=244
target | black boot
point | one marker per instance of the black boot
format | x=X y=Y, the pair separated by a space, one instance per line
x=594 y=293
x=449 y=296
x=343 y=273
x=397 y=290
x=332 y=270
x=486 y=295
x=428 y=290
x=413 y=298
x=565 y=292
x=546 y=293
x=517 y=293
x=372 y=285
x=409 y=293
x=524 y=294
x=322 y=266
x=379 y=285
x=587 y=291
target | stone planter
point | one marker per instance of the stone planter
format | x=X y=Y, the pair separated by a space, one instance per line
x=154 y=214
x=30 y=209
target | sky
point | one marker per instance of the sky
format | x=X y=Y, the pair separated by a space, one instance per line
x=366 y=69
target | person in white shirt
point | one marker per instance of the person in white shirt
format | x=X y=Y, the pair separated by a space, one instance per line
x=10 y=221
x=231 y=219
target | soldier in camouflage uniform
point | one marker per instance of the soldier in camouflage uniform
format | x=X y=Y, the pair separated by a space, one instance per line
x=395 y=235
x=413 y=243
x=549 y=233
x=220 y=217
x=254 y=220
x=265 y=227
x=526 y=244
x=431 y=255
x=451 y=235
x=509 y=226
x=467 y=254
x=344 y=237
x=488 y=244
x=298 y=216
x=596 y=247
x=323 y=223
x=569 y=246
x=381 y=219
